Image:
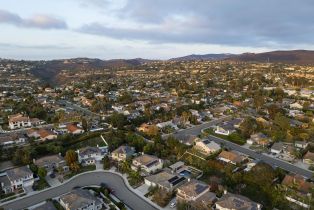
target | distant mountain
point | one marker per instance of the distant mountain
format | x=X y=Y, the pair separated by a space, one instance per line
x=301 y=57
x=206 y=57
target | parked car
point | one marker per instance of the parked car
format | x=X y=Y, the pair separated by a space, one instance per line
x=173 y=204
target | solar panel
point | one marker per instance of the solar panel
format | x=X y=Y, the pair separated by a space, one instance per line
x=173 y=179
x=238 y=203
x=200 y=188
x=178 y=181
x=206 y=141
x=152 y=163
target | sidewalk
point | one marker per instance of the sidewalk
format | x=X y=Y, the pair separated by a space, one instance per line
x=124 y=178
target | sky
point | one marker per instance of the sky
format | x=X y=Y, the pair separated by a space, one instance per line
x=153 y=29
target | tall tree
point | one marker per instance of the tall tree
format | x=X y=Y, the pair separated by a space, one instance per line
x=84 y=124
x=70 y=157
x=42 y=172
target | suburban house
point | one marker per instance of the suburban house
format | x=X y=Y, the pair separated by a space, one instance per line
x=12 y=138
x=17 y=178
x=297 y=189
x=122 y=153
x=74 y=129
x=79 y=199
x=33 y=133
x=231 y=201
x=207 y=147
x=147 y=163
x=176 y=167
x=227 y=128
x=19 y=121
x=187 y=139
x=308 y=158
x=230 y=157
x=165 y=124
x=184 y=170
x=89 y=155
x=42 y=134
x=51 y=163
x=165 y=180
x=46 y=135
x=296 y=105
x=301 y=144
x=196 y=194
x=259 y=139
x=191 y=191
x=277 y=148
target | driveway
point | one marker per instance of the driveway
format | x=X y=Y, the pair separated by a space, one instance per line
x=112 y=180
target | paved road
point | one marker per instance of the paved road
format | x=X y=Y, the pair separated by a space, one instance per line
x=112 y=180
x=270 y=160
x=267 y=159
x=79 y=108
x=196 y=130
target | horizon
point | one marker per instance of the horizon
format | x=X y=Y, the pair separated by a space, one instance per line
x=153 y=59
x=108 y=29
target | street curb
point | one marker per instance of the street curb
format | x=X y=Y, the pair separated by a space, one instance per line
x=88 y=172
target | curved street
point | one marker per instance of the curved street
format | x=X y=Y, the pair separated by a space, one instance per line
x=112 y=180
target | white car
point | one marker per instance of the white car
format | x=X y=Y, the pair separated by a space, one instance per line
x=173 y=204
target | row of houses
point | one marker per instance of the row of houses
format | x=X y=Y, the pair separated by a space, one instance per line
x=196 y=193
x=41 y=134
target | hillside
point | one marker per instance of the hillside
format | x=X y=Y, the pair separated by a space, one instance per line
x=301 y=57
x=49 y=70
x=209 y=57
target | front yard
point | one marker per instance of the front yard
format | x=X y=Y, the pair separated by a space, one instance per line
x=81 y=170
x=233 y=137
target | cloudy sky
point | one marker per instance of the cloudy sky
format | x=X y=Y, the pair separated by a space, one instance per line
x=49 y=29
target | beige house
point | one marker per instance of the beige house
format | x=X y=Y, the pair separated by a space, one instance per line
x=196 y=193
x=51 y=163
x=80 y=199
x=309 y=158
x=122 y=153
x=147 y=163
x=207 y=147
x=231 y=201
x=16 y=178
x=230 y=157
x=19 y=121
x=166 y=180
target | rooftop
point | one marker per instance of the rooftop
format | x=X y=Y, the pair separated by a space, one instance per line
x=18 y=173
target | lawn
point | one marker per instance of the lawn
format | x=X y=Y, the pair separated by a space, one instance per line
x=40 y=185
x=234 y=137
x=93 y=142
x=82 y=170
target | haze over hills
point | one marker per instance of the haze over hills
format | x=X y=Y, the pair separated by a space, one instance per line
x=301 y=57
x=49 y=70
x=208 y=57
